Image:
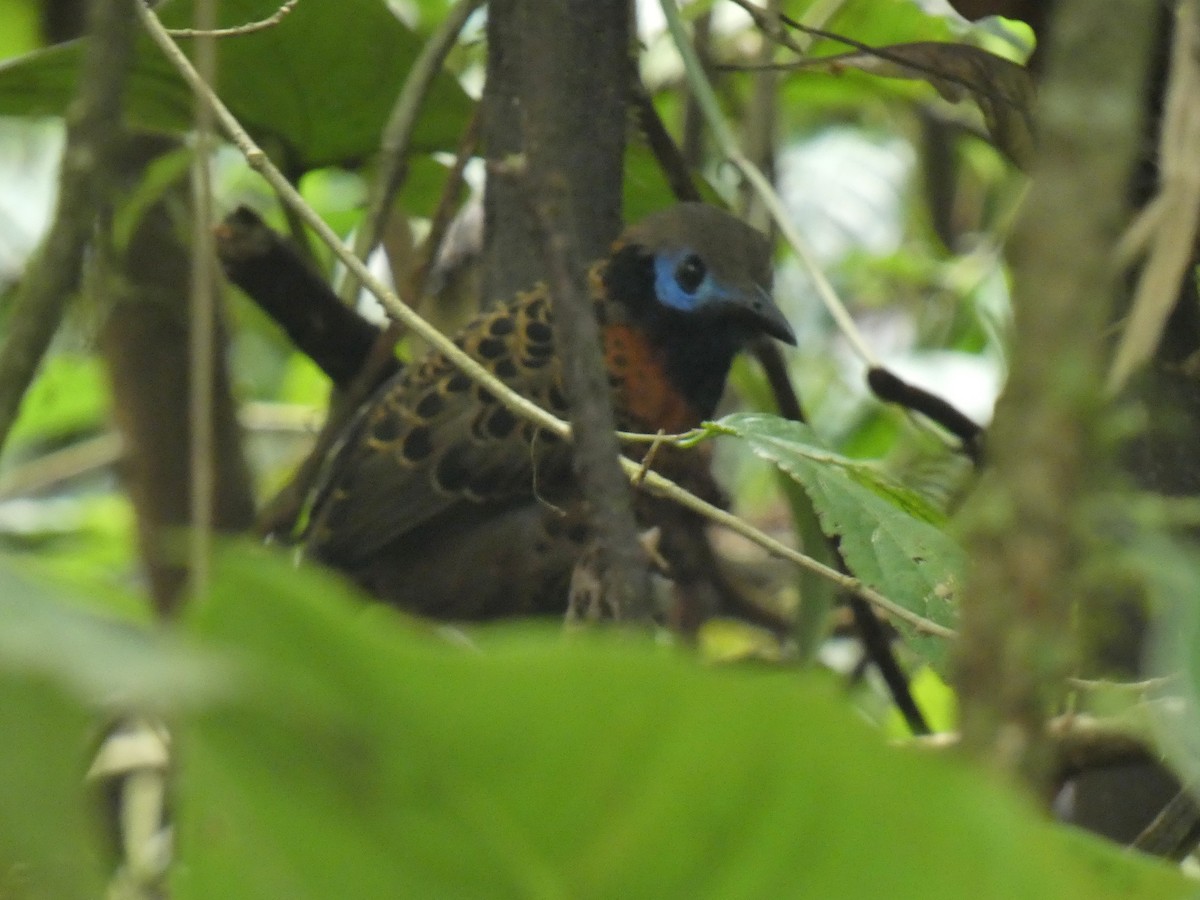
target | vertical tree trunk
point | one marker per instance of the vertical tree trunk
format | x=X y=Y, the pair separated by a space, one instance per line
x=570 y=178
x=144 y=339
x=595 y=38
x=1027 y=530
x=559 y=74
x=510 y=255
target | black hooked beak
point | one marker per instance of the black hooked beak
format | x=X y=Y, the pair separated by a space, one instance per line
x=760 y=310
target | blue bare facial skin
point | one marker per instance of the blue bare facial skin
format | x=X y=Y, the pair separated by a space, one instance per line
x=681 y=281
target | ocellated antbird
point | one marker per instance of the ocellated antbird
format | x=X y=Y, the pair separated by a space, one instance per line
x=442 y=501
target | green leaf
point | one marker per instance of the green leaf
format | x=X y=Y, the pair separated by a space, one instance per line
x=811 y=99
x=315 y=90
x=367 y=758
x=58 y=666
x=45 y=633
x=1003 y=90
x=44 y=846
x=888 y=535
x=890 y=22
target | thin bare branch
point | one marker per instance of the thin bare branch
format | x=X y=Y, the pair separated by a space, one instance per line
x=769 y=28
x=201 y=308
x=249 y=28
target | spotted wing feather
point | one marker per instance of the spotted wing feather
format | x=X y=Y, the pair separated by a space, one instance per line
x=432 y=440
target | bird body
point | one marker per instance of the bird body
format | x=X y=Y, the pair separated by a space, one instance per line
x=441 y=500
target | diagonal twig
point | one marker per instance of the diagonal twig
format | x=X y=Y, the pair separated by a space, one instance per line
x=202 y=337
x=236 y=31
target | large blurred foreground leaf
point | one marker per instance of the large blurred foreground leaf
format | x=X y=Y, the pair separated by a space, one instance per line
x=365 y=758
x=61 y=671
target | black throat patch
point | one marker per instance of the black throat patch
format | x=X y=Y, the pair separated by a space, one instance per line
x=698 y=346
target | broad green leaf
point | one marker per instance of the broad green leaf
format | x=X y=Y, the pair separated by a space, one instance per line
x=1002 y=89
x=810 y=98
x=888 y=535
x=870 y=22
x=45 y=633
x=366 y=758
x=315 y=89
x=44 y=848
x=817 y=595
x=891 y=21
x=60 y=669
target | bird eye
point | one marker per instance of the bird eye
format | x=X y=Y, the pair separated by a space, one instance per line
x=690 y=273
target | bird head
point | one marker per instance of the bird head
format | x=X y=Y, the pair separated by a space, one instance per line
x=696 y=262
